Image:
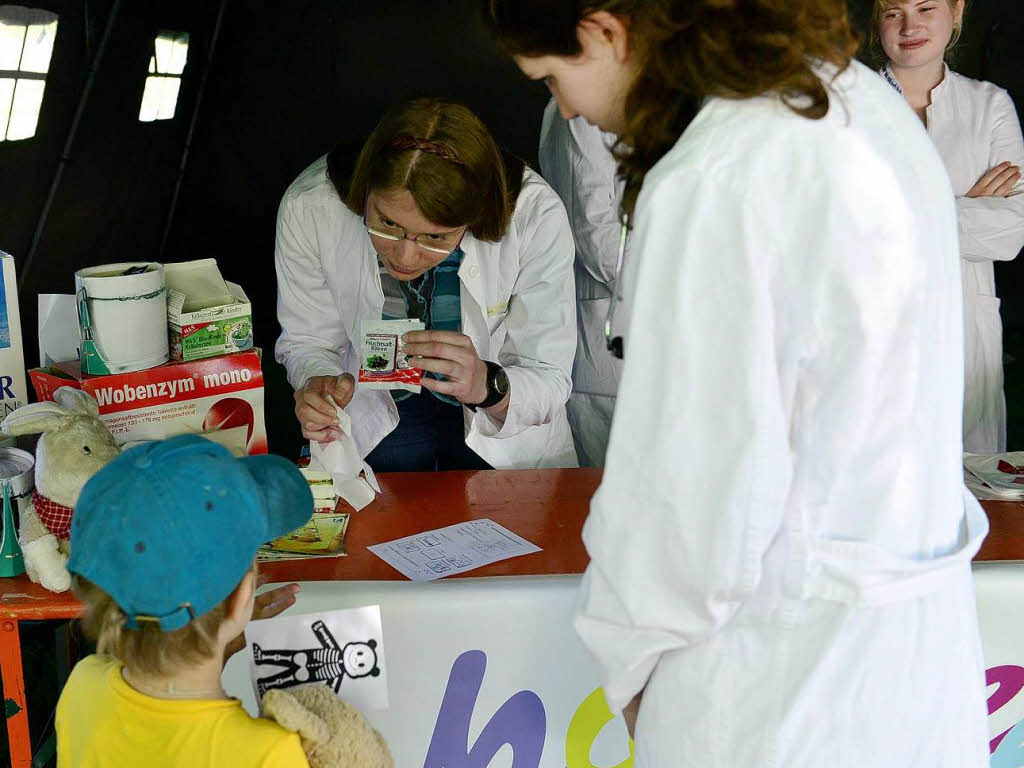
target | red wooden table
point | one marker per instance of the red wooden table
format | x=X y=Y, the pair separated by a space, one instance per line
x=546 y=507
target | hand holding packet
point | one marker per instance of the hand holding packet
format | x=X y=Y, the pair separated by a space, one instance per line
x=384 y=364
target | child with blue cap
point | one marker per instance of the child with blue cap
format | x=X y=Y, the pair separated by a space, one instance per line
x=164 y=540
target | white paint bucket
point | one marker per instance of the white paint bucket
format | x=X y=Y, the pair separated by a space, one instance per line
x=17 y=471
x=122 y=317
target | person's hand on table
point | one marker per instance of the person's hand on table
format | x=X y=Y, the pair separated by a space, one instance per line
x=452 y=355
x=998 y=182
x=265 y=606
x=314 y=405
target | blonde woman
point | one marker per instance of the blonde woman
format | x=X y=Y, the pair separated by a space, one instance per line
x=975 y=128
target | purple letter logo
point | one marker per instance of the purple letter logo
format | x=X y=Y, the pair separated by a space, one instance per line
x=1010 y=679
x=519 y=722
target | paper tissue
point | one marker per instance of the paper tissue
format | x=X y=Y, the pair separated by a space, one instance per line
x=340 y=459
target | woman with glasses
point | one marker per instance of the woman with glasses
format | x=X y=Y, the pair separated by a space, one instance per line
x=433 y=223
x=975 y=128
x=781 y=545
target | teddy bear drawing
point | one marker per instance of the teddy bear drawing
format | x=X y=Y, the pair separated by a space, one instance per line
x=75 y=444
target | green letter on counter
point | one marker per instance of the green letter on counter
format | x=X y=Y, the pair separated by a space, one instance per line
x=591 y=716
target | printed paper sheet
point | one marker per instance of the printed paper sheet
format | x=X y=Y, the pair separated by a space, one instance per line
x=455 y=549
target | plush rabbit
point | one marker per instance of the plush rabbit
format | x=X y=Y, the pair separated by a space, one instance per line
x=74 y=446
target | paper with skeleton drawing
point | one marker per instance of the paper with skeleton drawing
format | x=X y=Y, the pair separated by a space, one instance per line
x=455 y=549
x=342 y=649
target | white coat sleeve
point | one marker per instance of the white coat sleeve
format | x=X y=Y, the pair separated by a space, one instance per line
x=540 y=340
x=698 y=462
x=595 y=201
x=312 y=336
x=577 y=161
x=992 y=228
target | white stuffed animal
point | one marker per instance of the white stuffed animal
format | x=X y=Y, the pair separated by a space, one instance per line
x=74 y=446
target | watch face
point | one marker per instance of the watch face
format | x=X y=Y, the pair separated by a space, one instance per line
x=501 y=381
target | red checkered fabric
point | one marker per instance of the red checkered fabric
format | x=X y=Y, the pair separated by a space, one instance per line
x=54 y=516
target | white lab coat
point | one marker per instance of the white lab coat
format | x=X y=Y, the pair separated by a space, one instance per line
x=792 y=581
x=975 y=127
x=517 y=307
x=576 y=160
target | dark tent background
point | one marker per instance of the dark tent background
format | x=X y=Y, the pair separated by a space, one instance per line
x=287 y=81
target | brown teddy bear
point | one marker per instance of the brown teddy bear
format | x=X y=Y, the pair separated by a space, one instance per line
x=334 y=735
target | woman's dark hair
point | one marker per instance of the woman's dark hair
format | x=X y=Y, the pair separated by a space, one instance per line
x=690 y=49
x=444 y=156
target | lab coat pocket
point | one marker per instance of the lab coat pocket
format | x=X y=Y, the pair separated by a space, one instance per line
x=983 y=333
x=863 y=574
x=983 y=370
x=496 y=326
x=595 y=371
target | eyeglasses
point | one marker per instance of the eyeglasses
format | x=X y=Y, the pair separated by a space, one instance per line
x=435 y=246
x=615 y=343
x=426 y=241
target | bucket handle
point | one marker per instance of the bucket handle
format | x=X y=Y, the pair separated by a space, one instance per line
x=83 y=299
x=83 y=315
x=143 y=297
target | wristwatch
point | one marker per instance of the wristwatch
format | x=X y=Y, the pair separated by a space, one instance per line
x=497 y=386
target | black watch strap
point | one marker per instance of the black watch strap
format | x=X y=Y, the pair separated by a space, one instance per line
x=495 y=392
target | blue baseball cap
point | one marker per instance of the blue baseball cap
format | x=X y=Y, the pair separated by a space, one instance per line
x=168 y=529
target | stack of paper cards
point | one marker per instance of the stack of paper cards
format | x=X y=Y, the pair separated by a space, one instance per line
x=322 y=536
x=322 y=487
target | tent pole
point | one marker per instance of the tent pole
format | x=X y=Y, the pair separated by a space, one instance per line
x=183 y=163
x=66 y=154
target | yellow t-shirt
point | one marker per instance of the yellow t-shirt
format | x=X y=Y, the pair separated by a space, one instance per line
x=103 y=722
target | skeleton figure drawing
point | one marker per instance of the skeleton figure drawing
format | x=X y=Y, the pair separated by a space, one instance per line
x=330 y=663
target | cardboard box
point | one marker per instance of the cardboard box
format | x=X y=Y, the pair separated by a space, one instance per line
x=13 y=392
x=206 y=316
x=221 y=398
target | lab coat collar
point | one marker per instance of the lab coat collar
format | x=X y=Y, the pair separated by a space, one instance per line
x=471 y=269
x=943 y=85
x=890 y=77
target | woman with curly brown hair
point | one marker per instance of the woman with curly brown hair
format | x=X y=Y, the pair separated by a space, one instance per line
x=781 y=544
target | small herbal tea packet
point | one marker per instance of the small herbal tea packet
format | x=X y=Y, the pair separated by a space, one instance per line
x=384 y=365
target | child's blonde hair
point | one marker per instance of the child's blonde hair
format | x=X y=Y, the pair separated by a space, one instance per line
x=148 y=649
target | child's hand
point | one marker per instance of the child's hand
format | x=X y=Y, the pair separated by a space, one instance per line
x=265 y=606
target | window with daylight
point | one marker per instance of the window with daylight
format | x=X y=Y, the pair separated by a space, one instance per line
x=170 y=51
x=26 y=44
